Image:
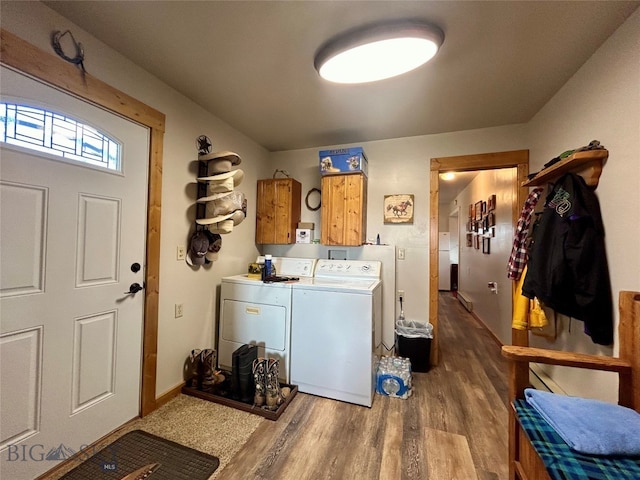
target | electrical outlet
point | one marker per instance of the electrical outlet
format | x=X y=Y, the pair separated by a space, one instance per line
x=180 y=252
x=178 y=310
x=401 y=254
x=400 y=295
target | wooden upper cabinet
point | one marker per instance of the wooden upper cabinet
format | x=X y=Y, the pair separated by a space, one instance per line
x=277 y=210
x=344 y=209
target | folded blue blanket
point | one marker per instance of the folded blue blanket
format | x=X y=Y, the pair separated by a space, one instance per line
x=589 y=426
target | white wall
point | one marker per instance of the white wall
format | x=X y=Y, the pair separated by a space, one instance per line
x=185 y=121
x=602 y=102
x=443 y=217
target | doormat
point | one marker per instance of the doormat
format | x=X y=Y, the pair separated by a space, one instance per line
x=137 y=453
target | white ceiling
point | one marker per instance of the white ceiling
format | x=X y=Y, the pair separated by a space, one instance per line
x=250 y=63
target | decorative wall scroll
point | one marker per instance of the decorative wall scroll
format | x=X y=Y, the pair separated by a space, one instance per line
x=398 y=208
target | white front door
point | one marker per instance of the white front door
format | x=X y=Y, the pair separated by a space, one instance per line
x=70 y=337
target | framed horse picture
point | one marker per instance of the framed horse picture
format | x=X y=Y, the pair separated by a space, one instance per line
x=398 y=208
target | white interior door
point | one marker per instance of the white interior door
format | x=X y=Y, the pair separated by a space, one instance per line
x=70 y=337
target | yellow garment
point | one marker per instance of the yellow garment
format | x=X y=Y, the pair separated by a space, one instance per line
x=537 y=318
x=549 y=331
x=527 y=313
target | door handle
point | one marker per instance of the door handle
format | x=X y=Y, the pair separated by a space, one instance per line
x=134 y=288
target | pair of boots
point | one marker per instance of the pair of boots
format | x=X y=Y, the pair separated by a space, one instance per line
x=265 y=376
x=204 y=364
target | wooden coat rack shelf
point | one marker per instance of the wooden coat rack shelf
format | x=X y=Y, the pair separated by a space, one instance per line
x=587 y=163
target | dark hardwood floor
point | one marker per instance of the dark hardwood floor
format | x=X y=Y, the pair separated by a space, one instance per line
x=454 y=426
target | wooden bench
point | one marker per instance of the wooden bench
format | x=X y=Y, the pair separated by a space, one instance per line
x=525 y=462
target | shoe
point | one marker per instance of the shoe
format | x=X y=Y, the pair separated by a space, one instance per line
x=274 y=396
x=208 y=360
x=235 y=371
x=259 y=379
x=194 y=370
x=245 y=374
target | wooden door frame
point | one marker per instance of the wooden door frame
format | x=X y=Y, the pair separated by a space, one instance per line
x=20 y=55
x=465 y=163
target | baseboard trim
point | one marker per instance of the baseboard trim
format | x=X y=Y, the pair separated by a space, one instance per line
x=169 y=395
x=484 y=325
x=542 y=381
x=465 y=301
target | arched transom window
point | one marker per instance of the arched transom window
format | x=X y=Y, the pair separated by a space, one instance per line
x=57 y=134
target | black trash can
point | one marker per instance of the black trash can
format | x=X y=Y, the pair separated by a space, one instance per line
x=413 y=341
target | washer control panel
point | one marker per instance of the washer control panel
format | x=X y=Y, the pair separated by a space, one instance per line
x=348 y=269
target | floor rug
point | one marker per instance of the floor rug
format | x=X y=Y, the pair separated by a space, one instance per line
x=138 y=449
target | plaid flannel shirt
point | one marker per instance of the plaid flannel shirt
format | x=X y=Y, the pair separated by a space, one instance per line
x=520 y=252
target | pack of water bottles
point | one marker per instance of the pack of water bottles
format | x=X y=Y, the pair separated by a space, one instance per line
x=393 y=377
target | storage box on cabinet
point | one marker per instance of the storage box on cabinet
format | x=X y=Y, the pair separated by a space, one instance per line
x=344 y=214
x=277 y=210
x=343 y=160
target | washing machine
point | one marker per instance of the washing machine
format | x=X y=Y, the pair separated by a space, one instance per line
x=255 y=312
x=336 y=331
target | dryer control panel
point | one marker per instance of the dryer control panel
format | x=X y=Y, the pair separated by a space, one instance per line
x=290 y=266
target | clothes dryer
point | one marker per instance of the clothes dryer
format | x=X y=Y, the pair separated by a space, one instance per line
x=255 y=312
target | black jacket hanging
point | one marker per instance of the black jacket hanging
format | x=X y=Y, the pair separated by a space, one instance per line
x=567 y=269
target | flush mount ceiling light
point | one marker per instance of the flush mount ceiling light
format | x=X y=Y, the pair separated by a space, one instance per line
x=447 y=176
x=378 y=51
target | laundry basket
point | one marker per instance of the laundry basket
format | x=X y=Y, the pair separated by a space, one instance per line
x=413 y=341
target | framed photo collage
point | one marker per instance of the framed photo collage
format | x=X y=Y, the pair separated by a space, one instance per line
x=481 y=224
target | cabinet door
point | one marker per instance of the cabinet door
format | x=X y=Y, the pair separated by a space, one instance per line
x=277 y=210
x=344 y=200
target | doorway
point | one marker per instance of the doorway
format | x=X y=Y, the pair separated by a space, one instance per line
x=20 y=55
x=464 y=163
x=71 y=230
